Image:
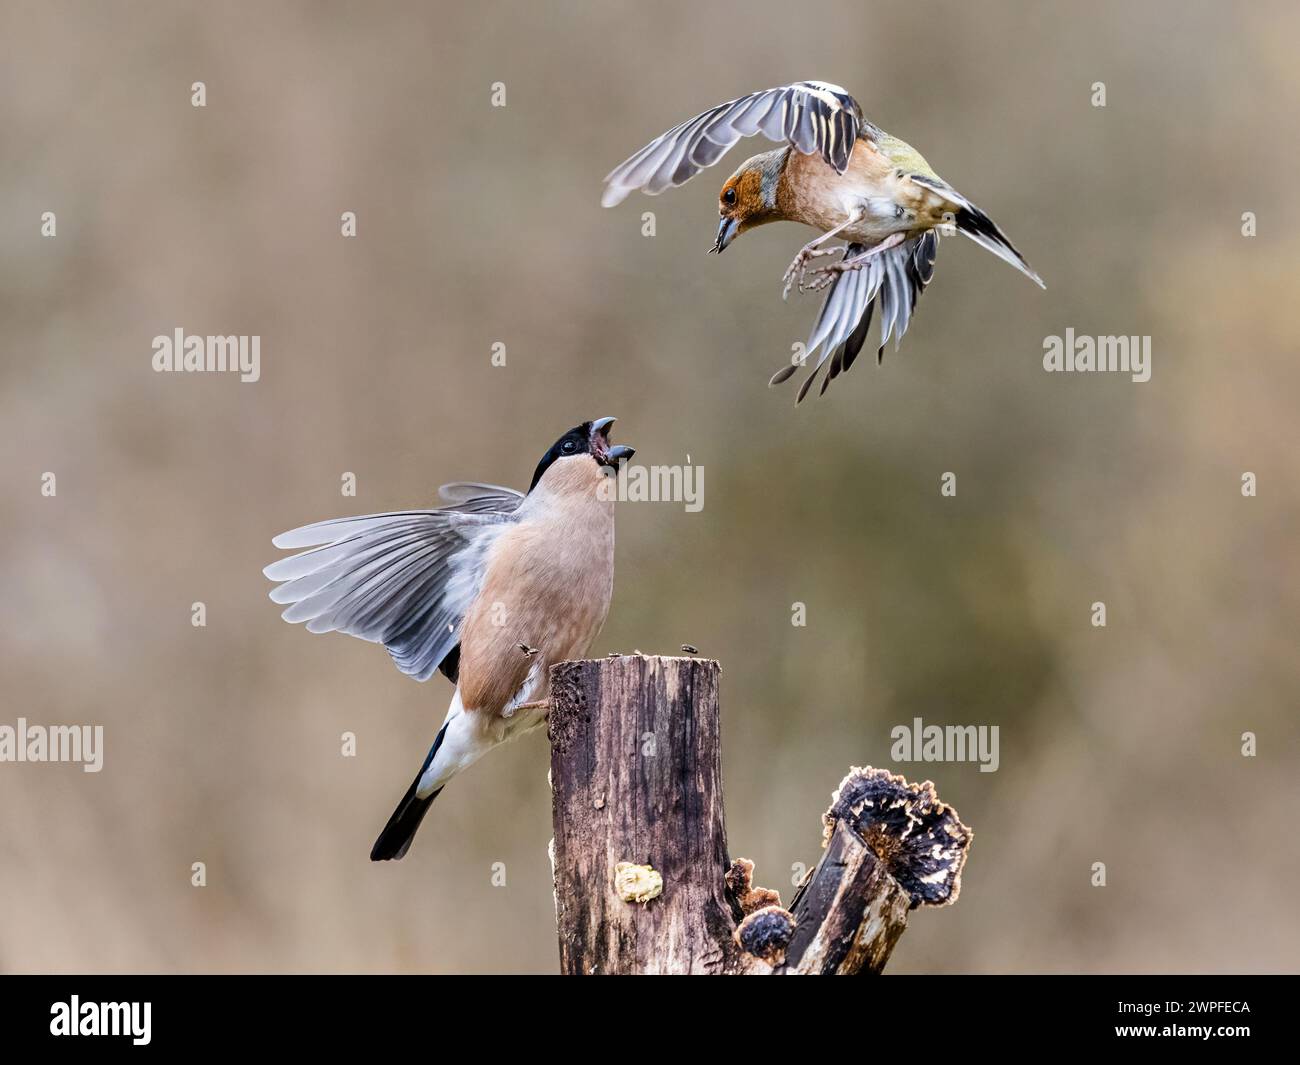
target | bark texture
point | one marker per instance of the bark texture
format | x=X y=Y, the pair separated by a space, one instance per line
x=636 y=777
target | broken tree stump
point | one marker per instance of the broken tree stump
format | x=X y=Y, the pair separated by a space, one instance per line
x=643 y=881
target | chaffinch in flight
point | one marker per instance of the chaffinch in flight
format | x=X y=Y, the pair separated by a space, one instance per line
x=838 y=173
x=492 y=590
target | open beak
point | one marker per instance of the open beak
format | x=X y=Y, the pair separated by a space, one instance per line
x=610 y=456
x=726 y=234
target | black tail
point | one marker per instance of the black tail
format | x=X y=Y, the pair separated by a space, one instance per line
x=395 y=840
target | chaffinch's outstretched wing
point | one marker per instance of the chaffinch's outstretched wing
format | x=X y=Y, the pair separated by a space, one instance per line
x=813 y=116
x=404 y=579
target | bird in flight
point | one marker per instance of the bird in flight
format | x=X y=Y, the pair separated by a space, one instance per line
x=840 y=174
x=491 y=589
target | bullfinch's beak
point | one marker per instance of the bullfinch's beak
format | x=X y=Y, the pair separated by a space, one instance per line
x=726 y=234
x=600 y=448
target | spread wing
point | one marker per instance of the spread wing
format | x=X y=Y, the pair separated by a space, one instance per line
x=404 y=579
x=895 y=279
x=813 y=116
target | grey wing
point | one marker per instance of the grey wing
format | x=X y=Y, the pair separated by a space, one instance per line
x=895 y=279
x=478 y=497
x=404 y=579
x=813 y=116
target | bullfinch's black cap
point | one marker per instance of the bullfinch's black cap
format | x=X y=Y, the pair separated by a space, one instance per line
x=589 y=438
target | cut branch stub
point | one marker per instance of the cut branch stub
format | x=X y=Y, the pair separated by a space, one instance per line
x=890 y=846
x=848 y=914
x=920 y=840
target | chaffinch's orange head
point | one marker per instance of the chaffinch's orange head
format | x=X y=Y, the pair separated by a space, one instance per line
x=748 y=198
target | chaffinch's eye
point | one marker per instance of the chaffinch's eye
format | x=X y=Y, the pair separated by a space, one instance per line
x=729 y=197
x=569 y=447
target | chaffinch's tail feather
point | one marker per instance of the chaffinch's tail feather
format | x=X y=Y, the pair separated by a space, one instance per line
x=894 y=279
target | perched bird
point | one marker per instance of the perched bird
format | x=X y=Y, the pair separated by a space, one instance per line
x=838 y=173
x=492 y=590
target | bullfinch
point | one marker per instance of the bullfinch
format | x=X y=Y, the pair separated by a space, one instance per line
x=491 y=590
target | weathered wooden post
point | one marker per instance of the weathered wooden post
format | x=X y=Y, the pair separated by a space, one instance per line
x=643 y=882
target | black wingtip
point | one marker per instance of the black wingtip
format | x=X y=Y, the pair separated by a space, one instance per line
x=974 y=221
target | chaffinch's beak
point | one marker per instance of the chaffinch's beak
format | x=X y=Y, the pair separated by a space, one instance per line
x=726 y=234
x=600 y=447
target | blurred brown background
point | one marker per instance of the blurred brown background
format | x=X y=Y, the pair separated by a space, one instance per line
x=479 y=225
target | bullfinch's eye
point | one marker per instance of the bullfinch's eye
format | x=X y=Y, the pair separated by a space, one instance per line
x=569 y=447
x=729 y=197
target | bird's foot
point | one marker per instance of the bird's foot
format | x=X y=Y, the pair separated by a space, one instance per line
x=825 y=275
x=795 y=274
x=524 y=715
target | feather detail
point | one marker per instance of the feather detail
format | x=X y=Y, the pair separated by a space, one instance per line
x=894 y=279
x=815 y=117
x=403 y=579
x=973 y=223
